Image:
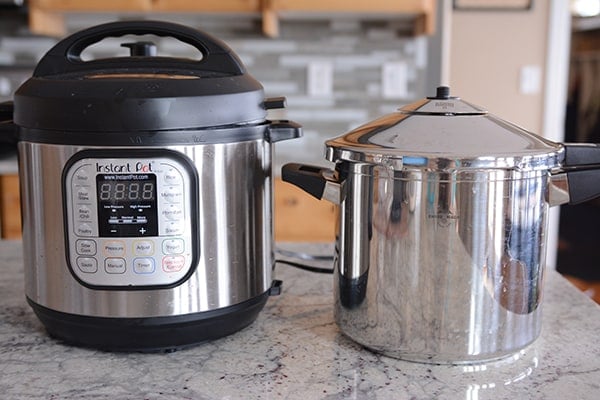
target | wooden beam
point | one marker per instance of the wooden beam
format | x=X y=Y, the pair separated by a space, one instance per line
x=10 y=207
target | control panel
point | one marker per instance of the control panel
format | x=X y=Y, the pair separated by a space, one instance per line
x=129 y=219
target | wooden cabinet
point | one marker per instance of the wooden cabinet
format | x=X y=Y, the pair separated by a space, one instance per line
x=10 y=208
x=241 y=6
x=47 y=16
x=299 y=217
x=422 y=12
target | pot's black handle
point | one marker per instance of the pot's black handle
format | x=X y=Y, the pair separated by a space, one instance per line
x=65 y=56
x=307 y=177
x=8 y=130
x=582 y=166
x=283 y=130
x=584 y=185
x=582 y=154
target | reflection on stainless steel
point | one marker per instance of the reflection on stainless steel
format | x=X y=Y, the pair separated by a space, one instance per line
x=512 y=369
x=235 y=235
x=441 y=266
x=558 y=190
x=303 y=256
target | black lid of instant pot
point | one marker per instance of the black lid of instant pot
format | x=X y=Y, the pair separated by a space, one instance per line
x=141 y=92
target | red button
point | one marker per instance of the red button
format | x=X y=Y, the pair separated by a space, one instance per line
x=173 y=263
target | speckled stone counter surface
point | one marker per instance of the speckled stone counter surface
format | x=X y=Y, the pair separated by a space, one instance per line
x=293 y=350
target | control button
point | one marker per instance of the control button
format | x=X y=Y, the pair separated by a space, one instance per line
x=172 y=194
x=87 y=265
x=114 y=265
x=83 y=213
x=172 y=177
x=143 y=265
x=113 y=248
x=172 y=212
x=81 y=177
x=84 y=229
x=86 y=247
x=173 y=246
x=143 y=248
x=173 y=263
x=173 y=228
x=83 y=194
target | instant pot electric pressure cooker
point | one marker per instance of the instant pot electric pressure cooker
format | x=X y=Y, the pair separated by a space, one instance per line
x=442 y=228
x=146 y=191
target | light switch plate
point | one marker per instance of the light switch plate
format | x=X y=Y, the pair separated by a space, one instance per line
x=320 y=79
x=530 y=79
x=394 y=80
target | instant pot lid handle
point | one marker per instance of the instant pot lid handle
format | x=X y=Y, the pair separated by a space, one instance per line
x=65 y=56
x=141 y=92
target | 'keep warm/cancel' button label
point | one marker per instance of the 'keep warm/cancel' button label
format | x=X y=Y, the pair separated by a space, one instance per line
x=173 y=263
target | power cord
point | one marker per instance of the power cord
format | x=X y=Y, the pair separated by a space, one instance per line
x=306 y=267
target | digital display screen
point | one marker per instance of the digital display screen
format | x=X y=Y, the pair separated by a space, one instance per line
x=127 y=205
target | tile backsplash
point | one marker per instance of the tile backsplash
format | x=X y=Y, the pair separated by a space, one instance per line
x=336 y=74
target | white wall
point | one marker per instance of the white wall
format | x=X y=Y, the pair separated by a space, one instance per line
x=487 y=53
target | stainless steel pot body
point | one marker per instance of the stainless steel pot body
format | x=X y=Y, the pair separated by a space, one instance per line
x=440 y=267
x=234 y=228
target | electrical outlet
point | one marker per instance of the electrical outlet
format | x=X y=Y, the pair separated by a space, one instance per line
x=394 y=80
x=530 y=79
x=320 y=79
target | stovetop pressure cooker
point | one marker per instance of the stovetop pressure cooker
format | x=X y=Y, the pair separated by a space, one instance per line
x=146 y=191
x=441 y=241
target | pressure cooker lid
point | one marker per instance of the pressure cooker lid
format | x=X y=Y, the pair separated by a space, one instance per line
x=141 y=92
x=444 y=132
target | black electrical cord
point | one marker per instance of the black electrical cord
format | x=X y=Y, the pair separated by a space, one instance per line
x=305 y=267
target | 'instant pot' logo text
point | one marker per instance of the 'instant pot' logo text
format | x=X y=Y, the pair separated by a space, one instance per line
x=124 y=167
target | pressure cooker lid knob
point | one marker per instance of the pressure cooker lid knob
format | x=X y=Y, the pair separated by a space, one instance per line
x=443 y=104
x=441 y=93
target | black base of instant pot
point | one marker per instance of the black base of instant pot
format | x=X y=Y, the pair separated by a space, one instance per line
x=153 y=334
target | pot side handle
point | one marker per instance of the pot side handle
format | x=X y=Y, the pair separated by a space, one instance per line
x=584 y=185
x=314 y=180
x=582 y=169
x=283 y=130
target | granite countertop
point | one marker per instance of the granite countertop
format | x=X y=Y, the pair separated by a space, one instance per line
x=293 y=350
